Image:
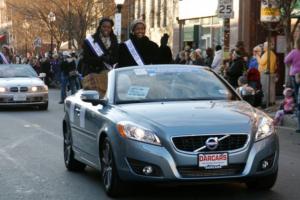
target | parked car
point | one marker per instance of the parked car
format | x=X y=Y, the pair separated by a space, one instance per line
x=21 y=86
x=169 y=123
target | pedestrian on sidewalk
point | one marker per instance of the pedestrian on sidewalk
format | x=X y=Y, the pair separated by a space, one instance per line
x=293 y=59
x=286 y=107
x=263 y=70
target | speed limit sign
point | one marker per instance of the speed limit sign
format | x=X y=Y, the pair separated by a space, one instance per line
x=225 y=9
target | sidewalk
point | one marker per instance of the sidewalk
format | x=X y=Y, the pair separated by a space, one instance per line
x=288 y=121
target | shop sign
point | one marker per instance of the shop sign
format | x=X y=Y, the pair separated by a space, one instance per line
x=269 y=11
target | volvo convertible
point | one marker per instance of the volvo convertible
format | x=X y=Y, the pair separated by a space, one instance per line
x=169 y=123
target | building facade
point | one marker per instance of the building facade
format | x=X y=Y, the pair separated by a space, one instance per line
x=159 y=16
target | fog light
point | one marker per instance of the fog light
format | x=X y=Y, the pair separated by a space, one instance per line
x=265 y=164
x=147 y=170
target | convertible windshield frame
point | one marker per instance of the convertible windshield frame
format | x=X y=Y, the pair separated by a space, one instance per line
x=232 y=95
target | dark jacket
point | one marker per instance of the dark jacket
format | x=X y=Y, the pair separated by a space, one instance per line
x=148 y=51
x=165 y=54
x=93 y=63
x=236 y=70
x=66 y=67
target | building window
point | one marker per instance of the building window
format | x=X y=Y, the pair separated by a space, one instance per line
x=152 y=11
x=158 y=12
x=165 y=7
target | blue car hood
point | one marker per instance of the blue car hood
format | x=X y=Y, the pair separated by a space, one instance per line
x=213 y=116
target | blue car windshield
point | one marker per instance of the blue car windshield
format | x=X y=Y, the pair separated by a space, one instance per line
x=165 y=83
x=13 y=71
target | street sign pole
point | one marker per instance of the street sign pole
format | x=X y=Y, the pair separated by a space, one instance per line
x=269 y=14
x=225 y=11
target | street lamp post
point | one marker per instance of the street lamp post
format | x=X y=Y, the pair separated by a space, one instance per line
x=51 y=18
x=26 y=27
x=118 y=19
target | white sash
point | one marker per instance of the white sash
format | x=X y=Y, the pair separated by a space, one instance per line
x=5 y=61
x=134 y=53
x=94 y=46
x=97 y=50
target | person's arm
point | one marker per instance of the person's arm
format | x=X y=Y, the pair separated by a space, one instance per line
x=216 y=61
x=263 y=60
x=289 y=58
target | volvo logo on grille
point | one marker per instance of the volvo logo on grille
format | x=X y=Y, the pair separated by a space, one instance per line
x=212 y=143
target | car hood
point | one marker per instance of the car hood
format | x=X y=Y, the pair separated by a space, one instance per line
x=201 y=116
x=8 y=82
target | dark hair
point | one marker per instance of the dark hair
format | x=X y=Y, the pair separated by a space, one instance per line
x=106 y=19
x=218 y=47
x=243 y=80
x=209 y=51
x=298 y=43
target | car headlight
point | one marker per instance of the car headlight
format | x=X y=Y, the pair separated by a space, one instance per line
x=34 y=89
x=39 y=88
x=136 y=132
x=2 y=89
x=265 y=128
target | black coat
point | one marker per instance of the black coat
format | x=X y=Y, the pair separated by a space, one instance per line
x=93 y=63
x=236 y=70
x=165 y=54
x=148 y=51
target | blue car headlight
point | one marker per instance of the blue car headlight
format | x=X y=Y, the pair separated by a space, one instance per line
x=138 y=133
x=265 y=128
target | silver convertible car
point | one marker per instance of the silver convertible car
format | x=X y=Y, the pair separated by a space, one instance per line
x=169 y=123
x=21 y=86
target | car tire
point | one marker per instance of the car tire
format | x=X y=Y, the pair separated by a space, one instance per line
x=70 y=162
x=43 y=106
x=263 y=183
x=112 y=184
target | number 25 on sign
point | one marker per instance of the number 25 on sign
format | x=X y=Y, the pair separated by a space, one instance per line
x=225 y=9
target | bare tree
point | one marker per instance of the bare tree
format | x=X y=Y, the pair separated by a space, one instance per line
x=73 y=17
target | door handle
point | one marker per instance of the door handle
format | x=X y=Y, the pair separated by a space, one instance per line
x=77 y=110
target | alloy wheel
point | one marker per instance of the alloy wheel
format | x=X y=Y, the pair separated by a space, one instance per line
x=107 y=162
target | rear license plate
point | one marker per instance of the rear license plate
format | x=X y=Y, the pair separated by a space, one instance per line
x=19 y=97
x=213 y=161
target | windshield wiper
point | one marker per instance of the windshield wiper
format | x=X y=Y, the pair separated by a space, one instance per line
x=21 y=76
x=205 y=98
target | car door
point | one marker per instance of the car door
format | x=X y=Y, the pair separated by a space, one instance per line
x=85 y=134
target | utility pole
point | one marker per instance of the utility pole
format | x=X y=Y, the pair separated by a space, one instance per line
x=69 y=26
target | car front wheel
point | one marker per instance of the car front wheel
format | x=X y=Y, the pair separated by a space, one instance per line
x=110 y=178
x=70 y=162
x=263 y=183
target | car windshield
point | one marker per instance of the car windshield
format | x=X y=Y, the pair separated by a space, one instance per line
x=11 y=71
x=166 y=83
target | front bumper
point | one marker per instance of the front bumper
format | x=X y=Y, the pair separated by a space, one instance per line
x=176 y=166
x=38 y=98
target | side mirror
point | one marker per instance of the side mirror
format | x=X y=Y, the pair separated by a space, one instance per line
x=93 y=97
x=42 y=75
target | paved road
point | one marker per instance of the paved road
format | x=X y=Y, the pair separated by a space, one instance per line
x=31 y=165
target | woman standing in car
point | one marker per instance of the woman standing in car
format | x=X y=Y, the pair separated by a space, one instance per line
x=100 y=54
x=138 y=50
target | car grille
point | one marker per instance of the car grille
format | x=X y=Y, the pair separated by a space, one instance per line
x=194 y=172
x=14 y=89
x=191 y=143
x=23 y=89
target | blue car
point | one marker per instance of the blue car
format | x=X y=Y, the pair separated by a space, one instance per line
x=169 y=123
